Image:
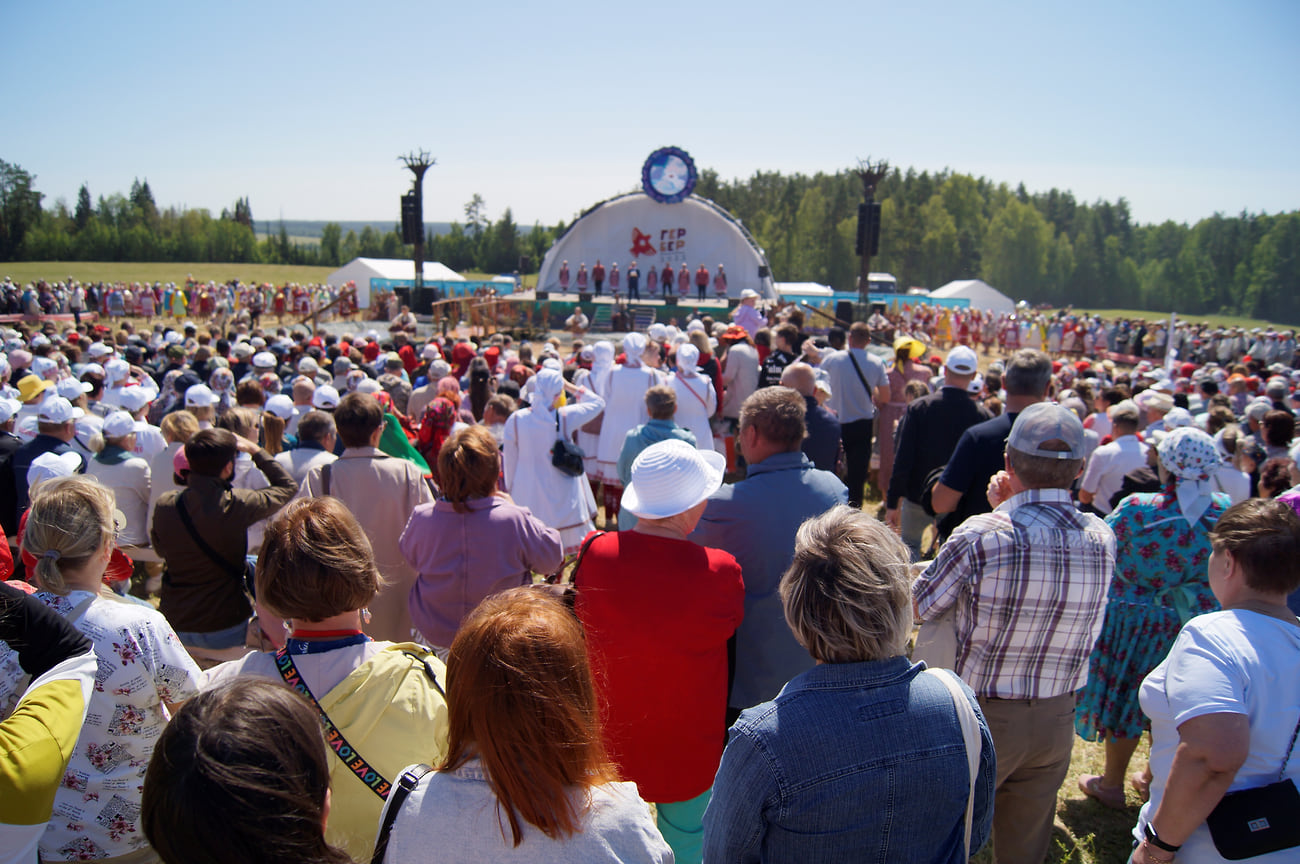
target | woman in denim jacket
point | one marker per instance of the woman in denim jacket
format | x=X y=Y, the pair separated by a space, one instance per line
x=862 y=757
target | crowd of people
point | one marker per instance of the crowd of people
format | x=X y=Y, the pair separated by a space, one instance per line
x=219 y=303
x=279 y=594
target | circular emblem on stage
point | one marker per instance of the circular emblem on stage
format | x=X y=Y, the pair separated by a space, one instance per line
x=669 y=175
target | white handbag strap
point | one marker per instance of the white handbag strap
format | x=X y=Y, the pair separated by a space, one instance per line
x=970 y=733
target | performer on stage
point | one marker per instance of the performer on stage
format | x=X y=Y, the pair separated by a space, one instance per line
x=633 y=280
x=582 y=277
x=666 y=280
x=652 y=281
x=701 y=282
x=684 y=281
x=598 y=276
x=564 y=277
x=613 y=278
x=720 y=283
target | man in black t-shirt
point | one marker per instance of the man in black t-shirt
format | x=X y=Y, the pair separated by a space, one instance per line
x=962 y=490
x=781 y=356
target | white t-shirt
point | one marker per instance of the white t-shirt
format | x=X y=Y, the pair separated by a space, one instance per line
x=1107 y=467
x=1231 y=662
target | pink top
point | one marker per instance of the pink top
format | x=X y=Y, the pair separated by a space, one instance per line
x=464 y=557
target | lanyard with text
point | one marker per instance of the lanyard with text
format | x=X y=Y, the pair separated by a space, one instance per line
x=334 y=739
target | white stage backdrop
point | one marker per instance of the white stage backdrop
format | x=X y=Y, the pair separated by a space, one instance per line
x=635 y=226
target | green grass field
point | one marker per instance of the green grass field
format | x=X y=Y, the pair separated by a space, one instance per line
x=1215 y=320
x=120 y=271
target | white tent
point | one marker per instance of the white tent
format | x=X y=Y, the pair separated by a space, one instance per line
x=387 y=270
x=981 y=295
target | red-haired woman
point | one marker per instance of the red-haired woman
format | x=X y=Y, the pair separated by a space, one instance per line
x=526 y=776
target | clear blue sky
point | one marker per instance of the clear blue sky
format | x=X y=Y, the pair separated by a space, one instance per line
x=1184 y=108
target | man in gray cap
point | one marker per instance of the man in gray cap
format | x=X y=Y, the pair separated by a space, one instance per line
x=1026 y=586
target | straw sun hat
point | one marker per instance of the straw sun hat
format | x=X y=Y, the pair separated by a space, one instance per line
x=671 y=477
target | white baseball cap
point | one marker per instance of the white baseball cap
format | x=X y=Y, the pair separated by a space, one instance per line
x=47 y=466
x=98 y=349
x=264 y=360
x=119 y=424
x=200 y=396
x=962 y=360
x=56 y=409
x=280 y=405
x=135 y=398
x=9 y=408
x=325 y=397
x=71 y=388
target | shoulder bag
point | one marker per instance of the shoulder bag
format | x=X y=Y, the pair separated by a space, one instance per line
x=410 y=778
x=565 y=455
x=1252 y=822
x=970 y=733
x=245 y=574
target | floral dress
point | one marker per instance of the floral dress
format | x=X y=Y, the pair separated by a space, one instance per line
x=1159 y=584
x=141 y=665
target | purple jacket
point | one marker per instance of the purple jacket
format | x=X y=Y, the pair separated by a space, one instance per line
x=463 y=557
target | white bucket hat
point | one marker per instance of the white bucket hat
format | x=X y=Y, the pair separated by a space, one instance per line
x=671 y=477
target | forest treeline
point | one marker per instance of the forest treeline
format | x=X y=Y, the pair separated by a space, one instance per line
x=1044 y=247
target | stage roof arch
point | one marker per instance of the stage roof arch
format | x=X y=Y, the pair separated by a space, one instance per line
x=694 y=231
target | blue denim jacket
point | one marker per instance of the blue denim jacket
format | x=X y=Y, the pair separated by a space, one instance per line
x=852 y=762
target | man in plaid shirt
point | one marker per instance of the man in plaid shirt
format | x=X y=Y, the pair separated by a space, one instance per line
x=1027 y=584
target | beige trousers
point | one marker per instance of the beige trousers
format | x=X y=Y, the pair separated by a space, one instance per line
x=1033 y=739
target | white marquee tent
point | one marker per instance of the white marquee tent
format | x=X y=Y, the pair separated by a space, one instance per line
x=362 y=270
x=981 y=295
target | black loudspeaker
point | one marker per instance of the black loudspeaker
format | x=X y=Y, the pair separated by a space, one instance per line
x=763 y=271
x=412 y=229
x=868 y=238
x=670 y=301
x=543 y=295
x=584 y=297
x=874 y=237
x=732 y=302
x=844 y=310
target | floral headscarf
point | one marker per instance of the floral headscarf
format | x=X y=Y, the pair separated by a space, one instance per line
x=270 y=384
x=435 y=428
x=1190 y=455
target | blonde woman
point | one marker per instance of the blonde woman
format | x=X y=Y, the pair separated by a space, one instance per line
x=142 y=668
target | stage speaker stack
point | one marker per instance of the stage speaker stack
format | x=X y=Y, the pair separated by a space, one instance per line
x=543 y=295
x=584 y=298
x=733 y=302
x=670 y=301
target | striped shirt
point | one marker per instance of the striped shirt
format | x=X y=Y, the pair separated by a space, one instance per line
x=1028 y=582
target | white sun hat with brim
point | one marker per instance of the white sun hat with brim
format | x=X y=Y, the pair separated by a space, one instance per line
x=671 y=477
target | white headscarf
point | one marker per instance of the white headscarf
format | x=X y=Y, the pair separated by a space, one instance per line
x=602 y=363
x=548 y=385
x=633 y=347
x=687 y=358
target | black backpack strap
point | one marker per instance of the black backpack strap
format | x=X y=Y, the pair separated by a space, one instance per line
x=410 y=778
x=325 y=478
